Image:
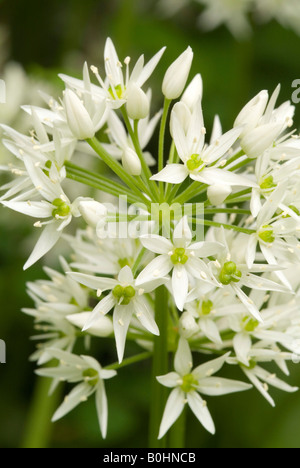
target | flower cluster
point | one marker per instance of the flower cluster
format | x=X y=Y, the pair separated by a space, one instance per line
x=236 y=14
x=141 y=269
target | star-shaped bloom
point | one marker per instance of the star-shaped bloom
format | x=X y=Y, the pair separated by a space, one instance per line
x=55 y=207
x=187 y=384
x=90 y=377
x=126 y=298
x=199 y=160
x=180 y=256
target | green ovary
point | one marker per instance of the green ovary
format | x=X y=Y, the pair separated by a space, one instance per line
x=189 y=383
x=126 y=294
x=250 y=324
x=207 y=307
x=118 y=91
x=91 y=376
x=179 y=257
x=230 y=273
x=194 y=162
x=266 y=234
x=268 y=183
x=62 y=208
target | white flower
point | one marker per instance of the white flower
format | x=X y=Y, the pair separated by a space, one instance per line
x=259 y=377
x=131 y=162
x=90 y=375
x=199 y=159
x=188 y=383
x=180 y=256
x=126 y=298
x=115 y=87
x=55 y=207
x=177 y=74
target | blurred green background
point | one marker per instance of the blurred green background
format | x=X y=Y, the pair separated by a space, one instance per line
x=55 y=36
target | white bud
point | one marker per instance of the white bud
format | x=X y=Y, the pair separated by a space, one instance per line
x=253 y=111
x=101 y=327
x=138 y=106
x=131 y=162
x=193 y=92
x=187 y=325
x=256 y=142
x=177 y=74
x=93 y=212
x=218 y=193
x=79 y=120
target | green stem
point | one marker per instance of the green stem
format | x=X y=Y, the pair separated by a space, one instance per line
x=94 y=184
x=227 y=211
x=39 y=426
x=109 y=186
x=160 y=367
x=177 y=432
x=229 y=227
x=161 y=146
x=138 y=261
x=196 y=188
x=129 y=361
x=151 y=185
x=116 y=167
x=235 y=157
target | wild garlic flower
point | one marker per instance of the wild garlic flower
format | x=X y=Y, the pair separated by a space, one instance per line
x=138 y=270
x=90 y=375
x=189 y=384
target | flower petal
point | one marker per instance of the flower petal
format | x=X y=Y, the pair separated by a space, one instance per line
x=173 y=410
x=200 y=410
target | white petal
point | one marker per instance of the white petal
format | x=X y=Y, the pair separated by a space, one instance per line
x=180 y=285
x=182 y=233
x=102 y=308
x=210 y=329
x=172 y=173
x=223 y=144
x=215 y=386
x=247 y=302
x=251 y=250
x=173 y=410
x=47 y=240
x=214 y=176
x=126 y=276
x=158 y=268
x=93 y=282
x=75 y=397
x=145 y=315
x=200 y=410
x=157 y=244
x=242 y=345
x=169 y=380
x=260 y=387
x=102 y=409
x=34 y=209
x=150 y=67
x=121 y=319
x=183 y=361
x=102 y=326
x=210 y=367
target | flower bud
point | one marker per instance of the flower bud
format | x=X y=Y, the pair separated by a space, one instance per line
x=131 y=162
x=78 y=118
x=92 y=212
x=187 y=325
x=251 y=114
x=260 y=139
x=218 y=193
x=177 y=74
x=193 y=92
x=102 y=327
x=138 y=106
